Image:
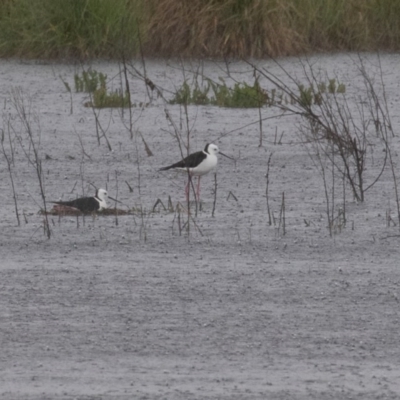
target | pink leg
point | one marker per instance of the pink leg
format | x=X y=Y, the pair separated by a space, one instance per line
x=198 y=188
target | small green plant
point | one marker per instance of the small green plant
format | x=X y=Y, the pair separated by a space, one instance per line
x=102 y=99
x=242 y=95
x=306 y=96
x=185 y=95
x=90 y=81
x=334 y=87
x=309 y=96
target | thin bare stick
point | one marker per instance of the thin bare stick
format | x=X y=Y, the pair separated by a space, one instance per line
x=282 y=216
x=267 y=189
x=284 y=213
x=215 y=194
x=116 y=197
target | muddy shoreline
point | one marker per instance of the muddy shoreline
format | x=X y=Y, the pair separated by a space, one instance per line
x=121 y=307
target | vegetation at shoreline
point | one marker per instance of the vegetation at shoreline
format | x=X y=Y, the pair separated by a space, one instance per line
x=195 y=28
x=243 y=95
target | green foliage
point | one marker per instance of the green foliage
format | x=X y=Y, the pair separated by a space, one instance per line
x=242 y=95
x=69 y=28
x=102 y=99
x=95 y=83
x=309 y=96
x=90 y=81
x=306 y=95
x=333 y=87
x=186 y=95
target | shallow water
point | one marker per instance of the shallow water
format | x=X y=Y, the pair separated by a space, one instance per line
x=120 y=307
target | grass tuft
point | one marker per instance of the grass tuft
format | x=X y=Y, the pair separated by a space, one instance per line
x=103 y=99
x=90 y=81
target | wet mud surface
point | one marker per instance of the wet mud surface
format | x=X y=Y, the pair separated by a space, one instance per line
x=134 y=306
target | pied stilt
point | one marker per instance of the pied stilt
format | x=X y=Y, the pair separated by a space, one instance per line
x=87 y=204
x=197 y=164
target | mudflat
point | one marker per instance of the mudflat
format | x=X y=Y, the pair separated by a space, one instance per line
x=138 y=306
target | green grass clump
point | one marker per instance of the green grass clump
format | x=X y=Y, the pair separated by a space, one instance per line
x=115 y=99
x=309 y=96
x=187 y=95
x=90 y=81
x=103 y=99
x=242 y=95
x=96 y=83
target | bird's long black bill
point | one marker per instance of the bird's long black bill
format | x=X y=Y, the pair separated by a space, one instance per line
x=222 y=154
x=117 y=201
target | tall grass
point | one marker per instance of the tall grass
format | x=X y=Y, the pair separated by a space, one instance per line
x=244 y=28
x=68 y=28
x=212 y=28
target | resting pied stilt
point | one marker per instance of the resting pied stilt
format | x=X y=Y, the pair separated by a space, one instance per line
x=87 y=204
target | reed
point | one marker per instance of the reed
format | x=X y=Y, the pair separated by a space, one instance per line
x=254 y=28
x=195 y=28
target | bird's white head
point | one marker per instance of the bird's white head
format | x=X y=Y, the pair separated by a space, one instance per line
x=211 y=149
x=102 y=194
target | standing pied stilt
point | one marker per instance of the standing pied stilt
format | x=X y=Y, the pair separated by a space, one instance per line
x=86 y=204
x=197 y=164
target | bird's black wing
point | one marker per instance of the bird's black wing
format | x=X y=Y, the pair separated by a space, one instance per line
x=191 y=161
x=84 y=204
x=71 y=203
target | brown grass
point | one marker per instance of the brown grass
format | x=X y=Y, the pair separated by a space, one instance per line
x=257 y=28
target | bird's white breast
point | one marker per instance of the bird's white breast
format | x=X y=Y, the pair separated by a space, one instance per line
x=102 y=204
x=206 y=166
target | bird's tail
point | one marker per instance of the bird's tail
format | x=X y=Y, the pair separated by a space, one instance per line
x=165 y=168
